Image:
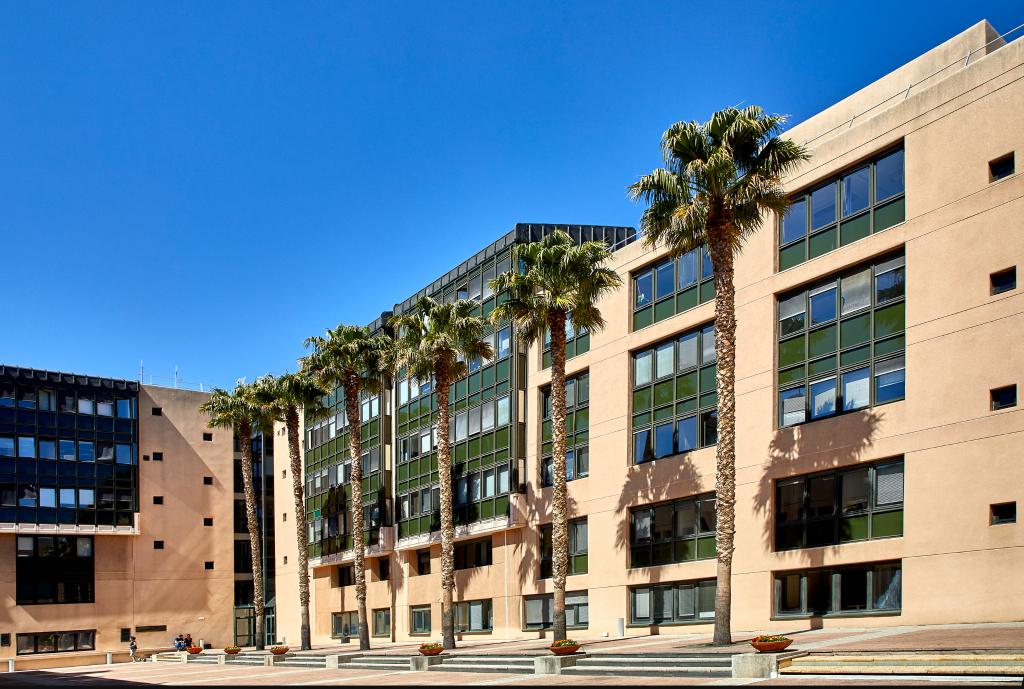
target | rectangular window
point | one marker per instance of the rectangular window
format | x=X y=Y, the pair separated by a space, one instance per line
x=675 y=396
x=669 y=532
x=383 y=568
x=671 y=286
x=423 y=561
x=538 y=611
x=56 y=642
x=474 y=616
x=577 y=548
x=1003 y=513
x=346 y=575
x=1001 y=167
x=839 y=506
x=868 y=198
x=854 y=589
x=420 y=619
x=673 y=603
x=577 y=422
x=382 y=622
x=1004 y=397
x=841 y=343
x=1003 y=281
x=344 y=624
x=55 y=569
x=471 y=554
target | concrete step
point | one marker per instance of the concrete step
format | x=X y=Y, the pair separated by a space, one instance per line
x=952 y=664
x=496 y=666
x=488 y=660
x=646 y=671
x=301 y=662
x=361 y=664
x=657 y=661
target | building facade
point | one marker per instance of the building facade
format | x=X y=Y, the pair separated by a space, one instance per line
x=875 y=441
x=116 y=517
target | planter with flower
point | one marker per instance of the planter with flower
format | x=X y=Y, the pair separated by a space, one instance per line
x=431 y=648
x=564 y=647
x=770 y=643
x=194 y=650
x=279 y=650
x=232 y=650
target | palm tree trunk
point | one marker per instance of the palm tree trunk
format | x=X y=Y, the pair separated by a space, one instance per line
x=351 y=387
x=444 y=471
x=301 y=528
x=725 y=453
x=559 y=525
x=253 y=524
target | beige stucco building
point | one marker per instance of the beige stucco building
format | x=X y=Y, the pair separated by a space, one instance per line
x=117 y=518
x=877 y=422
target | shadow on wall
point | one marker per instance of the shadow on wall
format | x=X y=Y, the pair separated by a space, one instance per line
x=651 y=482
x=807 y=449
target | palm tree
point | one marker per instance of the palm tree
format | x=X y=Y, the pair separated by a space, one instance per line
x=558 y=279
x=436 y=340
x=239 y=411
x=349 y=357
x=720 y=178
x=282 y=398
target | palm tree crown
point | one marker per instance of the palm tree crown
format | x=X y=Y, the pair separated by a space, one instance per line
x=280 y=395
x=719 y=178
x=238 y=409
x=440 y=337
x=348 y=355
x=557 y=277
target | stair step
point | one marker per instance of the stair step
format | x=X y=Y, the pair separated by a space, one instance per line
x=912 y=659
x=647 y=671
x=656 y=661
x=359 y=664
x=901 y=669
x=484 y=667
x=492 y=660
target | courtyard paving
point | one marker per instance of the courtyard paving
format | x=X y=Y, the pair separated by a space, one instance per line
x=970 y=638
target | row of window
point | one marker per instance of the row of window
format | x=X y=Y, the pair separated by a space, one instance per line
x=30 y=447
x=851 y=589
x=56 y=642
x=841 y=343
x=55 y=570
x=336 y=424
x=26 y=397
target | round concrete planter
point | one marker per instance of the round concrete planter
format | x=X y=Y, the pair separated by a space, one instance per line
x=194 y=650
x=564 y=650
x=232 y=651
x=279 y=650
x=430 y=651
x=771 y=646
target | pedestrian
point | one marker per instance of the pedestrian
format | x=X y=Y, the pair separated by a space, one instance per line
x=188 y=641
x=133 y=647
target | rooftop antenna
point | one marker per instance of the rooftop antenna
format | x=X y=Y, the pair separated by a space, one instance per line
x=142 y=372
x=175 y=376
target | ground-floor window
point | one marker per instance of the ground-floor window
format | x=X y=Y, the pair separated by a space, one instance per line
x=540 y=610
x=56 y=642
x=684 y=601
x=420 y=620
x=382 y=622
x=344 y=624
x=875 y=587
x=474 y=616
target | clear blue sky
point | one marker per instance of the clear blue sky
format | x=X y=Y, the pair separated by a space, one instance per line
x=204 y=184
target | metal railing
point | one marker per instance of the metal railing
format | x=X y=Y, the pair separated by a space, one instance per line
x=905 y=93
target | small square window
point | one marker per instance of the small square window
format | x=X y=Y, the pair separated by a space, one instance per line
x=284 y=473
x=207 y=480
x=285 y=559
x=1003 y=513
x=208 y=564
x=145 y=458
x=1004 y=397
x=158 y=545
x=284 y=516
x=1000 y=167
x=1003 y=280
x=208 y=437
x=126 y=635
x=158 y=456
x=158 y=411
x=5 y=639
x=207 y=521
x=158 y=499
